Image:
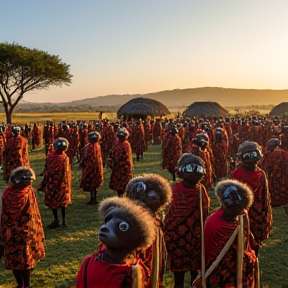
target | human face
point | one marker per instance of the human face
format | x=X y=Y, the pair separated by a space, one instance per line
x=22 y=179
x=192 y=173
x=152 y=200
x=16 y=132
x=150 y=197
x=116 y=232
x=61 y=146
x=233 y=202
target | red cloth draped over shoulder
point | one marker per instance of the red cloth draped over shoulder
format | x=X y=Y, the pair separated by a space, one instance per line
x=21 y=228
x=275 y=164
x=217 y=232
x=260 y=213
x=100 y=274
x=92 y=174
x=15 y=201
x=182 y=228
x=122 y=170
x=57 y=181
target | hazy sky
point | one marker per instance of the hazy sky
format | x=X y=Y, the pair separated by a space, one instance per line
x=144 y=46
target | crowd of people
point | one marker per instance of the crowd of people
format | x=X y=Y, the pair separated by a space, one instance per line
x=154 y=224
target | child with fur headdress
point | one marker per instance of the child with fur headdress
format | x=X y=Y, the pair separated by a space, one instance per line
x=260 y=213
x=183 y=221
x=238 y=266
x=126 y=228
x=153 y=192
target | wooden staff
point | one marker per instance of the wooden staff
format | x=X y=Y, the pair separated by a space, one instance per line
x=240 y=252
x=202 y=239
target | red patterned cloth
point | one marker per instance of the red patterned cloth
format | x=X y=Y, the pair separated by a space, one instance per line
x=83 y=137
x=156 y=132
x=182 y=228
x=92 y=173
x=275 y=164
x=217 y=232
x=148 y=134
x=220 y=152
x=57 y=181
x=149 y=257
x=260 y=213
x=108 y=137
x=207 y=180
x=36 y=136
x=171 y=151
x=21 y=229
x=122 y=168
x=2 y=148
x=73 y=143
x=100 y=274
x=137 y=139
x=16 y=155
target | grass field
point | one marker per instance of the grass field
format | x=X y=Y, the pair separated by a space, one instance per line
x=66 y=248
x=23 y=118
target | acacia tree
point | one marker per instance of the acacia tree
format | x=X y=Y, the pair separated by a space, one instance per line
x=23 y=69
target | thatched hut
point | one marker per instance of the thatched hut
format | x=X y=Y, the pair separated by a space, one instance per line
x=142 y=108
x=205 y=109
x=280 y=110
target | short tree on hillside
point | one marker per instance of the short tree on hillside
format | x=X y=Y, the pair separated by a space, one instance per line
x=23 y=69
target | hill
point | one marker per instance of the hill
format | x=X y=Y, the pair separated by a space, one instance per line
x=173 y=99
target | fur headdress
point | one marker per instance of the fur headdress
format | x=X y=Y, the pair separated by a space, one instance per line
x=152 y=182
x=22 y=168
x=140 y=218
x=243 y=189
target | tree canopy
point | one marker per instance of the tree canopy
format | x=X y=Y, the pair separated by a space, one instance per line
x=23 y=69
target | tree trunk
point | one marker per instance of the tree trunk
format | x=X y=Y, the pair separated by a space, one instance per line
x=8 y=113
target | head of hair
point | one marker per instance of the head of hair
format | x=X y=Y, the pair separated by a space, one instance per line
x=21 y=169
x=243 y=189
x=273 y=143
x=152 y=182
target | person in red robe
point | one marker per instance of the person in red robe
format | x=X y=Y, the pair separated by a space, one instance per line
x=2 y=144
x=16 y=152
x=220 y=151
x=92 y=167
x=56 y=183
x=154 y=193
x=156 y=132
x=171 y=150
x=235 y=197
x=68 y=133
x=120 y=162
x=182 y=222
x=127 y=227
x=137 y=139
x=260 y=213
x=108 y=139
x=36 y=136
x=48 y=136
x=200 y=148
x=21 y=227
x=275 y=165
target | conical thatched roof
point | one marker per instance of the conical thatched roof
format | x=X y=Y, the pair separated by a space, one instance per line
x=280 y=109
x=205 y=108
x=142 y=107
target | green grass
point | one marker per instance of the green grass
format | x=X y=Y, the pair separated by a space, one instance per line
x=66 y=248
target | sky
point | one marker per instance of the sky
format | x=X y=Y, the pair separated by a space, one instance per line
x=146 y=46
